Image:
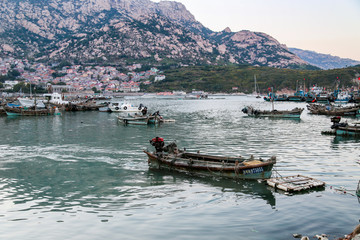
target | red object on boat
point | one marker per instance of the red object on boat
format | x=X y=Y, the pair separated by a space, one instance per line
x=157 y=139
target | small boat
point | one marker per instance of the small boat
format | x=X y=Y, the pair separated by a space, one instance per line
x=140 y=120
x=276 y=98
x=344 y=128
x=207 y=165
x=342 y=96
x=125 y=107
x=299 y=96
x=294 y=113
x=331 y=110
x=24 y=111
x=144 y=119
x=324 y=97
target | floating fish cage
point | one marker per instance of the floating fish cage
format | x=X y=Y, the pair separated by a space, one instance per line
x=294 y=183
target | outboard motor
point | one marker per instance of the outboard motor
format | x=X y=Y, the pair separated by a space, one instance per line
x=171 y=148
x=335 y=119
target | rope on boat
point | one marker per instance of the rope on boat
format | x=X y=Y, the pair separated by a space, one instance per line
x=236 y=169
x=207 y=166
x=277 y=174
x=345 y=191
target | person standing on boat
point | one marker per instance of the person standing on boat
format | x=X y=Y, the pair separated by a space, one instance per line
x=144 y=111
x=158 y=143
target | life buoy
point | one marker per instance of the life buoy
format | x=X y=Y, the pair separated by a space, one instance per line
x=125 y=107
x=117 y=108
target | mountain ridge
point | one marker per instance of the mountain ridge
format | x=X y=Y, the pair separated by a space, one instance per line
x=324 y=61
x=129 y=30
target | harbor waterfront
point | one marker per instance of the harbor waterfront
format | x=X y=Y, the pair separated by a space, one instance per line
x=84 y=175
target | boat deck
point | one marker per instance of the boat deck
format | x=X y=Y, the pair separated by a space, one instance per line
x=294 y=183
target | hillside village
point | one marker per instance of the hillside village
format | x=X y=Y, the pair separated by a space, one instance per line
x=77 y=78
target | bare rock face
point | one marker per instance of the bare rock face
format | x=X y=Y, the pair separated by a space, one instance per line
x=116 y=30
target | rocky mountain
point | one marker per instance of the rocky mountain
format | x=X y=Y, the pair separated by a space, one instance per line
x=122 y=31
x=323 y=61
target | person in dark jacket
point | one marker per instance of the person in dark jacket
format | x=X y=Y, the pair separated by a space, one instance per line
x=158 y=143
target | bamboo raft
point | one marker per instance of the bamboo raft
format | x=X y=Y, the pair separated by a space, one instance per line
x=295 y=183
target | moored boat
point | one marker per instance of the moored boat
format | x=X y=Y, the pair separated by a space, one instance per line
x=24 y=111
x=294 y=113
x=332 y=110
x=324 y=97
x=344 y=128
x=276 y=98
x=299 y=96
x=140 y=120
x=125 y=107
x=342 y=96
x=208 y=165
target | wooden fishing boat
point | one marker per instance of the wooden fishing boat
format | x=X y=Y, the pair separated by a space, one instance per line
x=23 y=111
x=208 y=165
x=277 y=98
x=332 y=110
x=344 y=128
x=140 y=120
x=294 y=113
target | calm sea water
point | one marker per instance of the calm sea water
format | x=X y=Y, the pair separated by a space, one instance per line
x=84 y=176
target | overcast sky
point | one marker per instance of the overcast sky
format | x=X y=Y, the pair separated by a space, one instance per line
x=325 y=26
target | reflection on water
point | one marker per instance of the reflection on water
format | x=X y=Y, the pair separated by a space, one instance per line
x=242 y=188
x=85 y=169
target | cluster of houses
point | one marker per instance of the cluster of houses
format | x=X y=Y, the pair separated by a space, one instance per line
x=77 y=77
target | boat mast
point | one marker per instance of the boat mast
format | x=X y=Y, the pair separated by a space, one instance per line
x=35 y=97
x=255 y=83
x=272 y=98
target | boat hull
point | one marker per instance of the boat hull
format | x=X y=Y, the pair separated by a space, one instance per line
x=286 y=115
x=30 y=112
x=293 y=114
x=334 y=111
x=225 y=169
x=348 y=131
x=145 y=120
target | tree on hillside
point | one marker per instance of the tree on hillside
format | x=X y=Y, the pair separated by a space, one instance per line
x=13 y=74
x=21 y=86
